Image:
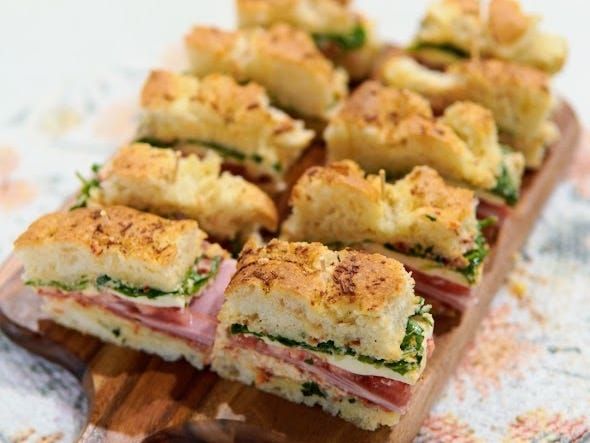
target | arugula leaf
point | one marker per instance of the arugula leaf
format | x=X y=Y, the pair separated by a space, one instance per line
x=413 y=345
x=68 y=287
x=223 y=150
x=191 y=284
x=353 y=40
x=487 y=222
x=505 y=187
x=87 y=186
x=475 y=257
x=444 y=47
x=310 y=388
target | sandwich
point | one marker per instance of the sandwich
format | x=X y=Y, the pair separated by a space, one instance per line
x=339 y=329
x=163 y=182
x=217 y=113
x=456 y=29
x=129 y=278
x=519 y=97
x=282 y=59
x=420 y=220
x=342 y=34
x=393 y=129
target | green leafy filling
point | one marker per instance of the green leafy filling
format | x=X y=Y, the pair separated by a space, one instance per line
x=475 y=256
x=310 y=388
x=444 y=47
x=505 y=187
x=223 y=150
x=412 y=346
x=87 y=186
x=355 y=39
x=192 y=283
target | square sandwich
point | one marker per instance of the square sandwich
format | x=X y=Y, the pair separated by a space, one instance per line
x=340 y=329
x=129 y=278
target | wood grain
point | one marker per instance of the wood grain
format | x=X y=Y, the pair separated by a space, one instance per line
x=132 y=395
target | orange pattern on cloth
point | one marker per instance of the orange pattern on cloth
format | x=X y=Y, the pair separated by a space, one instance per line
x=446 y=428
x=13 y=193
x=495 y=353
x=539 y=425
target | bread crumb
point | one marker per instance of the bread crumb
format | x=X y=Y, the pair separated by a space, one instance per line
x=225 y=412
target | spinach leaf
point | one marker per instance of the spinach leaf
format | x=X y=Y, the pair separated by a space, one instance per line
x=353 y=40
x=444 y=47
x=505 y=187
x=310 y=388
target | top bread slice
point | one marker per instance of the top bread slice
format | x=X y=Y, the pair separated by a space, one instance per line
x=137 y=248
x=306 y=292
x=519 y=97
x=163 y=182
x=502 y=31
x=338 y=204
x=218 y=113
x=341 y=33
x=282 y=59
x=393 y=129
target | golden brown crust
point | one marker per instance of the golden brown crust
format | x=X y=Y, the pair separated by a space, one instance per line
x=382 y=107
x=217 y=41
x=117 y=229
x=337 y=204
x=284 y=60
x=290 y=44
x=345 y=280
x=163 y=182
x=450 y=205
x=497 y=72
x=506 y=21
x=344 y=174
x=138 y=162
x=217 y=109
x=393 y=129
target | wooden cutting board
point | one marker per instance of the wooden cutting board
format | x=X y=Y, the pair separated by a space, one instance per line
x=132 y=394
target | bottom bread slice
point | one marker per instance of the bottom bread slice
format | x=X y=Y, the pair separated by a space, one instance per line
x=272 y=375
x=111 y=328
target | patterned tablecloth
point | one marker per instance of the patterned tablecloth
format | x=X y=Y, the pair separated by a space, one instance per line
x=526 y=376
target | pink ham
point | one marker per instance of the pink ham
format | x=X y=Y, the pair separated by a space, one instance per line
x=452 y=294
x=391 y=395
x=196 y=323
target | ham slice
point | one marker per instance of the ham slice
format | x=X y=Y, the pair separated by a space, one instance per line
x=196 y=323
x=391 y=395
x=452 y=294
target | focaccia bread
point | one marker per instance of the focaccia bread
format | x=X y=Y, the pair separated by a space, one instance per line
x=138 y=248
x=217 y=113
x=341 y=329
x=338 y=204
x=421 y=221
x=394 y=129
x=519 y=97
x=344 y=35
x=163 y=182
x=455 y=29
x=129 y=278
x=282 y=59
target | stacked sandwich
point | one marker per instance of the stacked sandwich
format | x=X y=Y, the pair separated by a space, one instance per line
x=333 y=313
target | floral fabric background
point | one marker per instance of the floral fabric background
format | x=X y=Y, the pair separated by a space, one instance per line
x=525 y=377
